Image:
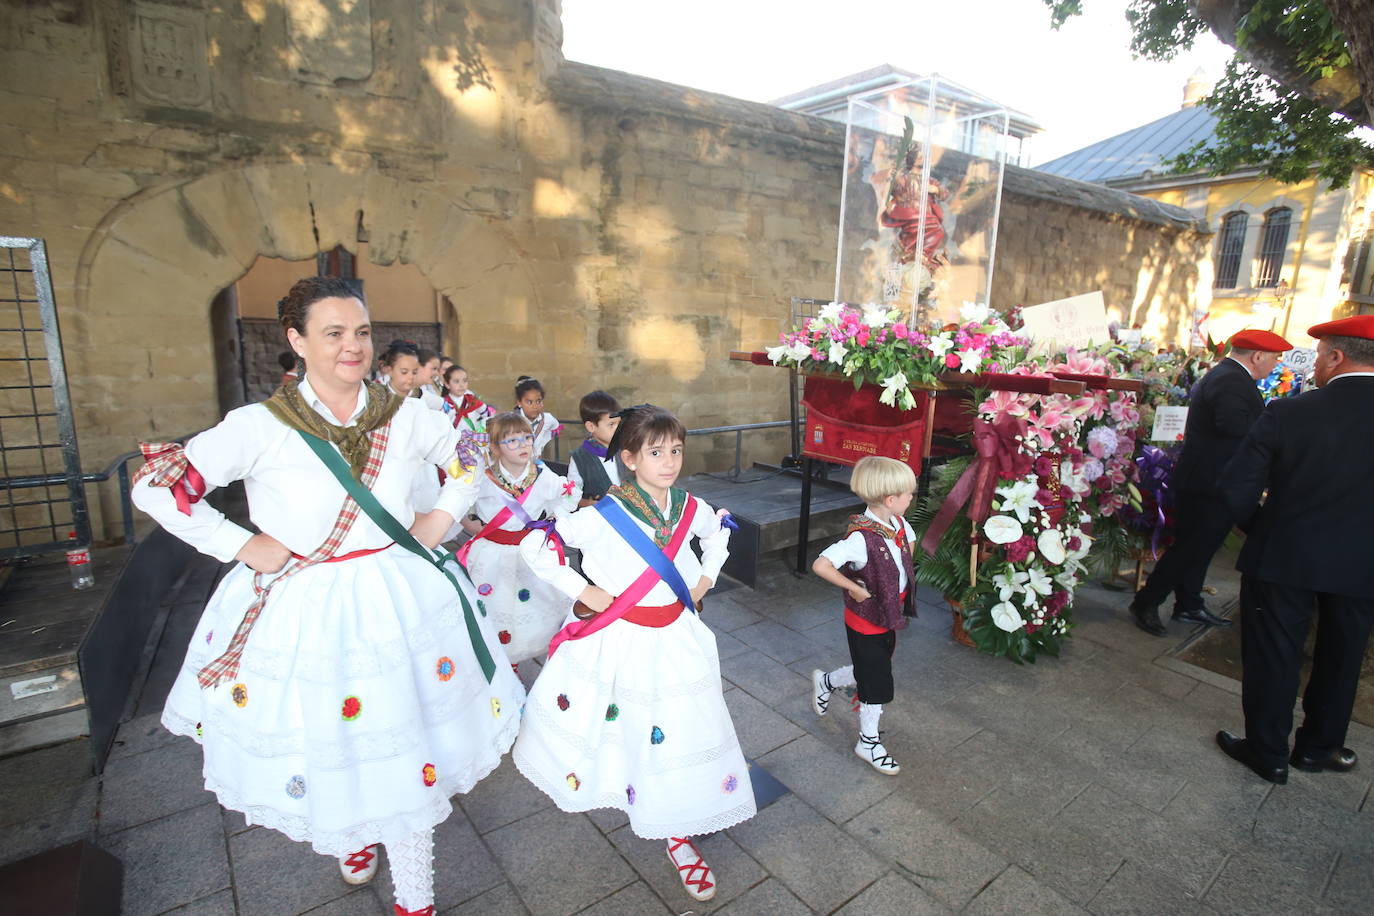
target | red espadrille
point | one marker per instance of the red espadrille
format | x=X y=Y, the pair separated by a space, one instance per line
x=360 y=867
x=692 y=869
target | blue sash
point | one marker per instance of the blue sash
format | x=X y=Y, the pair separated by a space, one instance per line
x=648 y=551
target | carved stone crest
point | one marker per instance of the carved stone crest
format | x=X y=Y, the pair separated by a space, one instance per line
x=168 y=62
x=330 y=40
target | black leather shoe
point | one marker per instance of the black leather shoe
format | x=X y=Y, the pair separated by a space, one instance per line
x=1203 y=616
x=1342 y=761
x=1239 y=750
x=1147 y=618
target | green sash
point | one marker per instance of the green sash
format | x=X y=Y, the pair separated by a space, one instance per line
x=397 y=532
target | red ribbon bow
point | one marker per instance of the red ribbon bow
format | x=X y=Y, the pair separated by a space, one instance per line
x=167 y=466
x=998 y=457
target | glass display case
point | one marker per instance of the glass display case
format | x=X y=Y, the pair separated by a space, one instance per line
x=921 y=195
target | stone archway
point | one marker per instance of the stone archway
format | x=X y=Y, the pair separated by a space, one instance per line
x=149 y=272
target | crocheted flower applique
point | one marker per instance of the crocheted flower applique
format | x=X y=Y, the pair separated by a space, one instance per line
x=495 y=707
x=484 y=589
x=612 y=713
x=504 y=636
x=563 y=703
x=352 y=708
x=630 y=795
x=200 y=732
x=730 y=784
x=573 y=782
x=429 y=774
x=656 y=735
x=295 y=787
x=523 y=594
x=239 y=694
x=209 y=636
x=443 y=669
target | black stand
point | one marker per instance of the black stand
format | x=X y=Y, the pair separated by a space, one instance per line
x=804 y=521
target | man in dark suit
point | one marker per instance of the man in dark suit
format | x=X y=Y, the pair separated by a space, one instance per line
x=1223 y=404
x=1306 y=550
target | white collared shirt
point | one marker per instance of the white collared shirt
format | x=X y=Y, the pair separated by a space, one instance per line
x=854 y=549
x=1350 y=375
x=291 y=495
x=548 y=495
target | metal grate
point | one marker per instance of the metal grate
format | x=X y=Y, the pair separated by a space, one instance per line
x=41 y=495
x=1229 y=249
x=1273 y=242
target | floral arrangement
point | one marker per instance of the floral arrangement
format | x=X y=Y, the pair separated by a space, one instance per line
x=871 y=343
x=1281 y=383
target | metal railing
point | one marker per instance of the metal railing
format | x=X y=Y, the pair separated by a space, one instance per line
x=739 y=430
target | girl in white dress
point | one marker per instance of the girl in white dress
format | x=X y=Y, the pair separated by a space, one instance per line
x=517 y=491
x=627 y=712
x=461 y=404
x=529 y=399
x=342 y=687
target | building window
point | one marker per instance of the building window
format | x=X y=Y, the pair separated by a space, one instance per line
x=1273 y=242
x=1229 y=250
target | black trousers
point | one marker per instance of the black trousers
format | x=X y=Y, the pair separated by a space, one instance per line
x=1201 y=523
x=1274 y=623
x=872 y=659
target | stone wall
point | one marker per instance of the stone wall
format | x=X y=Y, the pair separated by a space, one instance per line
x=591 y=228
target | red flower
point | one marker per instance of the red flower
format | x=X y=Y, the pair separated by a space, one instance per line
x=352 y=708
x=563 y=701
x=429 y=774
x=504 y=636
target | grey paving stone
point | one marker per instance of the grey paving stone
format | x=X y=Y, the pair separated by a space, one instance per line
x=892 y=895
x=762 y=678
x=217 y=904
x=735 y=872
x=1137 y=890
x=58 y=816
x=1019 y=718
x=172 y=861
x=1052 y=851
x=937 y=856
x=759 y=728
x=365 y=901
x=608 y=820
x=501 y=900
x=921 y=723
x=1299 y=815
x=816 y=860
x=463 y=868
x=1227 y=811
x=727 y=646
x=635 y=900
x=1045 y=777
x=1141 y=835
x=729 y=612
x=1015 y=892
x=1352 y=884
x=503 y=797
x=143 y=733
x=150 y=785
x=274 y=875
x=35 y=783
x=557 y=862
x=1251 y=885
x=838 y=785
x=770 y=898
x=234 y=822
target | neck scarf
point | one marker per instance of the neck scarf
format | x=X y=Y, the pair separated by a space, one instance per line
x=642 y=507
x=498 y=477
x=596 y=448
x=288 y=406
x=864 y=523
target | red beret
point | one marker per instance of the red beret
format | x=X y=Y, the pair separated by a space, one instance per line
x=1354 y=326
x=1254 y=339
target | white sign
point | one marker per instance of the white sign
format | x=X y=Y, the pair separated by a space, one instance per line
x=1199 y=336
x=1130 y=338
x=1169 y=424
x=1078 y=321
x=1301 y=359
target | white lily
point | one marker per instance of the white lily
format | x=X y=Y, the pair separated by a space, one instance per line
x=1019 y=499
x=1037 y=583
x=1009 y=585
x=876 y=316
x=799 y=351
x=969 y=360
x=1002 y=529
x=974 y=311
x=837 y=352
x=892 y=386
x=908 y=400
x=939 y=344
x=830 y=313
x=779 y=353
x=1006 y=617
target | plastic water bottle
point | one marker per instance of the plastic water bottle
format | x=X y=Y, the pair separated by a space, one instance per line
x=79 y=564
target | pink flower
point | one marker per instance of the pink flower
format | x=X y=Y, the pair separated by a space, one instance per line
x=1044 y=497
x=900 y=330
x=1018 y=550
x=951 y=361
x=862 y=337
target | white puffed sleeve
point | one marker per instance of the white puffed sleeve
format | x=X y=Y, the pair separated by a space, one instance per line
x=852 y=549
x=436 y=440
x=714 y=538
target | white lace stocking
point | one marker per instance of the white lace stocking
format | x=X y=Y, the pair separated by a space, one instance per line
x=412 y=869
x=841 y=677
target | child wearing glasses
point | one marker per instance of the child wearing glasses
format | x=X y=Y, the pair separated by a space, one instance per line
x=515 y=499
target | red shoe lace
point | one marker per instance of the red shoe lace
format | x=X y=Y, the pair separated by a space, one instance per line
x=362 y=859
x=401 y=911
x=690 y=876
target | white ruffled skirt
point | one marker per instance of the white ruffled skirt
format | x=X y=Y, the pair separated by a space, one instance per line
x=524 y=610
x=633 y=718
x=359 y=708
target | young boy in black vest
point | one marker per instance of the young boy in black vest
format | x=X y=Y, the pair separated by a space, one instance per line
x=591 y=466
x=873 y=565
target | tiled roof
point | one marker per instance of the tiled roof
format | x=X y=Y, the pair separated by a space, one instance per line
x=1137 y=151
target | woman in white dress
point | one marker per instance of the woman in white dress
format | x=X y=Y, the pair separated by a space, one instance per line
x=627 y=712
x=342 y=687
x=517 y=491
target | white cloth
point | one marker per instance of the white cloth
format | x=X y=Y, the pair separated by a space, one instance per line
x=612 y=564
x=359 y=707
x=431 y=398
x=412 y=870
x=869 y=714
x=546 y=426
x=632 y=717
x=612 y=471
x=525 y=610
x=852 y=549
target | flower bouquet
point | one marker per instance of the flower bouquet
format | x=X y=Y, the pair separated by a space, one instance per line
x=871 y=343
x=1283 y=382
